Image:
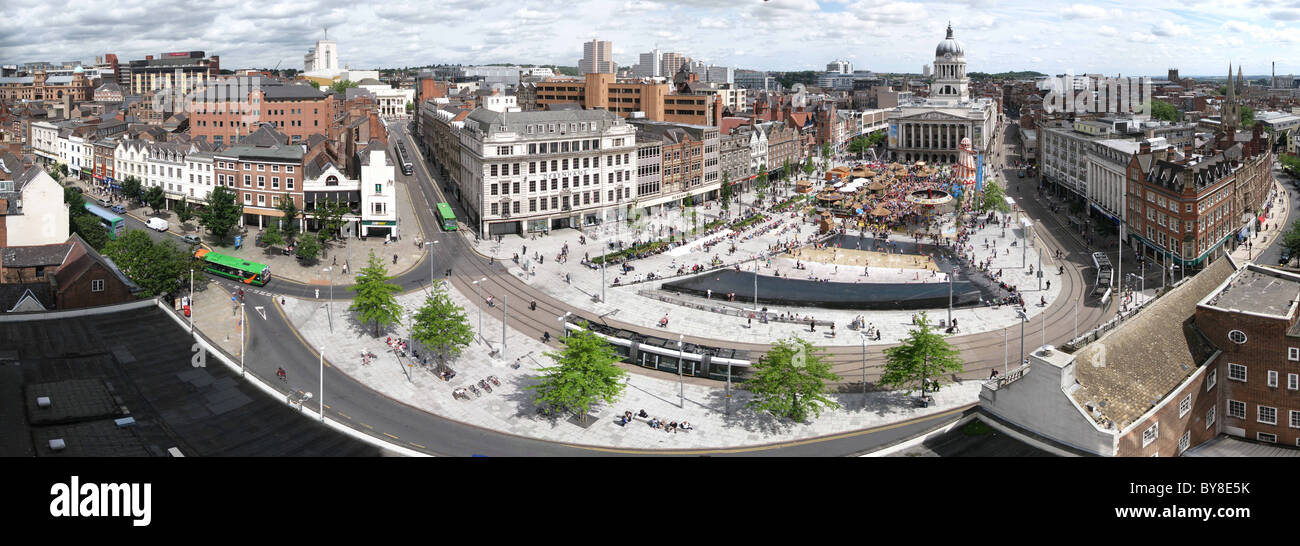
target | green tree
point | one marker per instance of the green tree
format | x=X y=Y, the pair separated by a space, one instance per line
x=76 y=202
x=289 y=223
x=1163 y=110
x=994 y=198
x=924 y=355
x=809 y=168
x=1290 y=163
x=790 y=380
x=761 y=180
x=725 y=191
x=222 y=213
x=184 y=210
x=826 y=151
x=1291 y=240
x=156 y=267
x=1247 y=116
x=341 y=87
x=315 y=84
x=63 y=170
x=584 y=376
x=90 y=230
x=785 y=169
x=441 y=325
x=154 y=197
x=374 y=301
x=131 y=187
x=308 y=248
x=272 y=235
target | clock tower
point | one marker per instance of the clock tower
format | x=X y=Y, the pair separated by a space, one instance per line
x=950 y=82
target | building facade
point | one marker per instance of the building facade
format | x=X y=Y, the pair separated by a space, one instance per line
x=931 y=130
x=597 y=58
x=296 y=110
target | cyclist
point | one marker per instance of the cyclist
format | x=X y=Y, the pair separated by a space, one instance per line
x=280 y=373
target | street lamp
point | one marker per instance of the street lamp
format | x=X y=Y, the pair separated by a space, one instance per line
x=564 y=331
x=330 y=269
x=427 y=244
x=479 y=294
x=321 y=390
x=863 y=337
x=1023 y=319
x=191 y=302
x=681 y=385
x=242 y=348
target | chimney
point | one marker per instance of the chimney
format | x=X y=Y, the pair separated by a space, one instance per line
x=1144 y=147
x=148 y=57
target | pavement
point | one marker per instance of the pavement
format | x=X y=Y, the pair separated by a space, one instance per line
x=1279 y=219
x=509 y=409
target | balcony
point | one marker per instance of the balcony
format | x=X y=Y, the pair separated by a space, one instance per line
x=1012 y=376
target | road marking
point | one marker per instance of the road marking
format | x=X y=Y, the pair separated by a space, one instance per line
x=327 y=406
x=367 y=426
x=391 y=436
x=261 y=311
x=417 y=445
x=344 y=415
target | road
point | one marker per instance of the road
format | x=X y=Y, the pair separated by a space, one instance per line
x=273 y=342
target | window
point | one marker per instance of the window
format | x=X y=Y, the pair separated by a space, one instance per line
x=1210 y=381
x=261 y=181
x=1293 y=353
x=1292 y=381
x=1185 y=406
x=261 y=200
x=1236 y=409
x=1237 y=336
x=1266 y=415
x=275 y=182
x=1295 y=419
x=1237 y=372
x=288 y=183
x=1185 y=442
x=248 y=180
x=97 y=285
x=248 y=198
x=1151 y=434
x=1266 y=437
x=1272 y=378
x=1209 y=418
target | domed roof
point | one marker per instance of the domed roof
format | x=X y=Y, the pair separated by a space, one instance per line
x=78 y=70
x=949 y=45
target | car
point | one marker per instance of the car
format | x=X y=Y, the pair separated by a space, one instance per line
x=1285 y=258
x=118 y=209
x=158 y=224
x=191 y=239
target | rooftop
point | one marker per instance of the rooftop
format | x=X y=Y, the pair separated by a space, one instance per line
x=140 y=360
x=1258 y=290
x=1129 y=370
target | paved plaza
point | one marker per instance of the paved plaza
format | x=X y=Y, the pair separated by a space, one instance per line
x=508 y=408
x=636 y=300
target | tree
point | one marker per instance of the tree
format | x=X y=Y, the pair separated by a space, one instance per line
x=308 y=247
x=184 y=210
x=1291 y=240
x=826 y=151
x=90 y=230
x=272 y=236
x=785 y=168
x=154 y=197
x=790 y=380
x=222 y=213
x=131 y=187
x=375 y=301
x=994 y=198
x=442 y=325
x=63 y=169
x=924 y=357
x=1247 y=116
x=585 y=375
x=761 y=181
x=341 y=87
x=75 y=200
x=315 y=84
x=289 y=224
x=156 y=267
x=1290 y=163
x=725 y=191
x=809 y=168
x=1163 y=110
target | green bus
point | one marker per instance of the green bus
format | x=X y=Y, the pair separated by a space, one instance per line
x=447 y=217
x=111 y=222
x=235 y=268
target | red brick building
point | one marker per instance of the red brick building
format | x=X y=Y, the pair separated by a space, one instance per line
x=263 y=170
x=69 y=275
x=296 y=110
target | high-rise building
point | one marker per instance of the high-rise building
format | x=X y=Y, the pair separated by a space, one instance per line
x=670 y=63
x=840 y=67
x=325 y=56
x=180 y=69
x=597 y=58
x=649 y=65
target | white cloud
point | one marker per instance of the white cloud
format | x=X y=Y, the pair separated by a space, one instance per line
x=1085 y=11
x=1106 y=30
x=1168 y=28
x=713 y=22
x=1142 y=38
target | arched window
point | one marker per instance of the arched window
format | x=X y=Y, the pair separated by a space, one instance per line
x=331 y=180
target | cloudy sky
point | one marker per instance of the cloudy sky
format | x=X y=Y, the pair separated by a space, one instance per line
x=1147 y=37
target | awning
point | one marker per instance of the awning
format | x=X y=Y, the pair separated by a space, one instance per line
x=342 y=196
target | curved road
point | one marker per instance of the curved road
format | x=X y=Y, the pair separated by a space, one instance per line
x=274 y=343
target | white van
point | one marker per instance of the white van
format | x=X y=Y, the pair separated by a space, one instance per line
x=158 y=224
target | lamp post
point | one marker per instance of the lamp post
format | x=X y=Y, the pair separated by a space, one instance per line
x=602 y=281
x=863 y=337
x=564 y=331
x=1023 y=319
x=757 y=257
x=330 y=269
x=191 y=302
x=427 y=244
x=242 y=349
x=1004 y=352
x=479 y=294
x=321 y=390
x=505 y=318
x=950 y=274
x=681 y=384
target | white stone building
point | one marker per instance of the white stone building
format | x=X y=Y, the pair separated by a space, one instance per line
x=378 y=193
x=35 y=213
x=542 y=170
x=391 y=102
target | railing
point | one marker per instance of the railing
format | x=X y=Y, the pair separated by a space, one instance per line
x=727 y=310
x=1012 y=376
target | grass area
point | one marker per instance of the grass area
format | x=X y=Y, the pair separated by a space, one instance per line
x=651 y=246
x=748 y=222
x=976 y=428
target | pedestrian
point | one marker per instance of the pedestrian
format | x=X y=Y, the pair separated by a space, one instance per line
x=394 y=259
